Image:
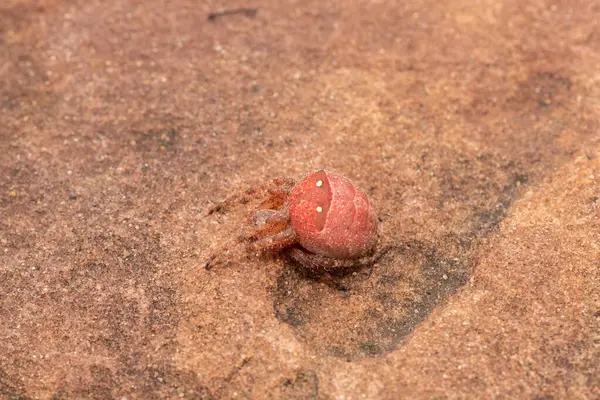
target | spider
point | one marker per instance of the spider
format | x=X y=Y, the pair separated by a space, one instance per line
x=322 y=221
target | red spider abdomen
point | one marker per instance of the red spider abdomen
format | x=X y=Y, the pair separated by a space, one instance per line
x=332 y=217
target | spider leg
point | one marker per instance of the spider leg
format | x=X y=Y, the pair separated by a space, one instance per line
x=276 y=198
x=275 y=189
x=274 y=243
x=267 y=223
x=275 y=201
x=221 y=256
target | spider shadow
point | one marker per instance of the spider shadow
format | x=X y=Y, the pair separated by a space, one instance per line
x=371 y=309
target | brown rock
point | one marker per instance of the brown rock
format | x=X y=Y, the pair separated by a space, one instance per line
x=473 y=126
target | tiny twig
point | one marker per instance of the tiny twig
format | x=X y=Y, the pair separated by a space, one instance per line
x=248 y=12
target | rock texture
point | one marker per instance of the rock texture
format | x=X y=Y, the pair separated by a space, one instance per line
x=472 y=125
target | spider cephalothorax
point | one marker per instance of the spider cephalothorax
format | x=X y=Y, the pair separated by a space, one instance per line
x=321 y=221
